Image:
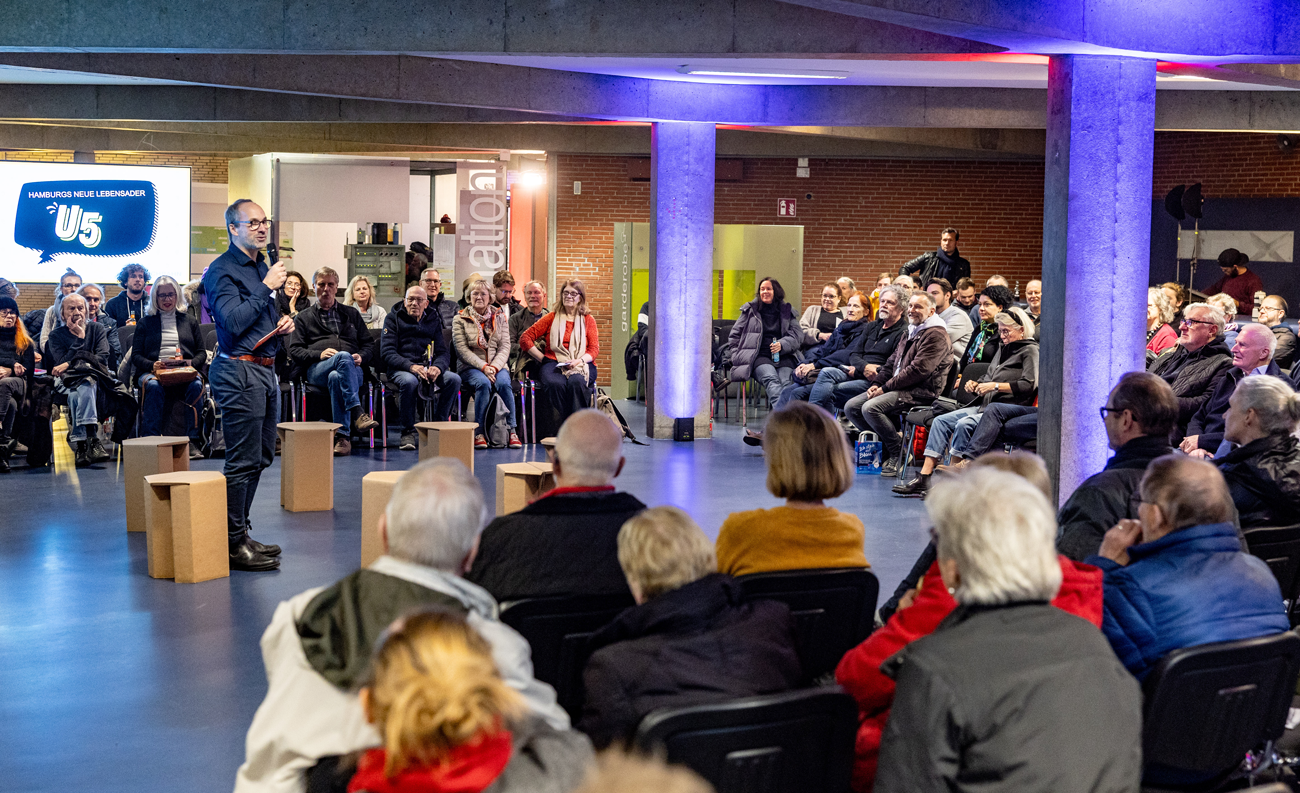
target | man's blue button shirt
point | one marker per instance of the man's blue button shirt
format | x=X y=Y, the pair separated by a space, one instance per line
x=242 y=306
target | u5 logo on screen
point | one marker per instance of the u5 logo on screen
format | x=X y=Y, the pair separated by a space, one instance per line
x=96 y=217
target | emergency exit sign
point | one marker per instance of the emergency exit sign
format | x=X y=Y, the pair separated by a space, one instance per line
x=785 y=207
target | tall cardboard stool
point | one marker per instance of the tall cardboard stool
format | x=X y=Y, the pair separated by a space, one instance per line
x=376 y=489
x=185 y=526
x=520 y=483
x=548 y=444
x=156 y=454
x=448 y=439
x=307 y=465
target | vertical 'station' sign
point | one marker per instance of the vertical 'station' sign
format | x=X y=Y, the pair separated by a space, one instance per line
x=481 y=228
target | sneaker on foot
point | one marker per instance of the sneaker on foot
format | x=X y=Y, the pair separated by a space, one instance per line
x=96 y=450
x=480 y=442
x=195 y=452
x=409 y=443
x=890 y=468
x=514 y=442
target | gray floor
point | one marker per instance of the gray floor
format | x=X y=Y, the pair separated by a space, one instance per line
x=114 y=681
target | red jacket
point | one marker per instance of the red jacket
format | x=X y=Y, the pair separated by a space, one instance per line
x=859 y=670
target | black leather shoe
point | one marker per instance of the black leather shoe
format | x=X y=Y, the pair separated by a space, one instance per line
x=244 y=557
x=264 y=549
x=96 y=451
x=753 y=438
x=82 y=454
x=917 y=487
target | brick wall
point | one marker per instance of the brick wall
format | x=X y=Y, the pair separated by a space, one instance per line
x=1228 y=165
x=33 y=296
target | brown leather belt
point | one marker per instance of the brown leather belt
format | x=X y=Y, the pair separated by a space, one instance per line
x=254 y=359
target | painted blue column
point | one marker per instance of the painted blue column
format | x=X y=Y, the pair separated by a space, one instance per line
x=681 y=267
x=1096 y=251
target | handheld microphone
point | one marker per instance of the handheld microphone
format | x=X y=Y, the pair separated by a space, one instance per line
x=272 y=252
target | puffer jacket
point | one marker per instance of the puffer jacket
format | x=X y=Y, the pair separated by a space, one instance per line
x=1015 y=363
x=1192 y=586
x=919 y=364
x=859 y=670
x=469 y=354
x=840 y=346
x=695 y=644
x=747 y=333
x=1264 y=479
x=1193 y=376
x=1015 y=697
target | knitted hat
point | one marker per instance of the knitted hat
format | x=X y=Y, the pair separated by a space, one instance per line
x=9 y=303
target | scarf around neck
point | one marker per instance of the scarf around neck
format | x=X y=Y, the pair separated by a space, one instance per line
x=486 y=324
x=577 y=346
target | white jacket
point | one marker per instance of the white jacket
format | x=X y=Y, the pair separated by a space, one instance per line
x=305 y=717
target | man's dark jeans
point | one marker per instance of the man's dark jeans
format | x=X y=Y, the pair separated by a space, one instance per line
x=1010 y=423
x=249 y=398
x=408 y=396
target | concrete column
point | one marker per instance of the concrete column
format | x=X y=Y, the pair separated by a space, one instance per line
x=1096 y=251
x=681 y=266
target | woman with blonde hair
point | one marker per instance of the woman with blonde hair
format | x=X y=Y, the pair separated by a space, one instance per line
x=1160 y=313
x=361 y=296
x=808 y=461
x=449 y=723
x=481 y=334
x=571 y=346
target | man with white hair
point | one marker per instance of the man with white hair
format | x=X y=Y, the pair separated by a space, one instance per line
x=318 y=644
x=1251 y=354
x=1196 y=366
x=566 y=542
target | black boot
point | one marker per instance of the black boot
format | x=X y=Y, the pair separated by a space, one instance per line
x=96 y=451
x=244 y=557
x=264 y=549
x=917 y=487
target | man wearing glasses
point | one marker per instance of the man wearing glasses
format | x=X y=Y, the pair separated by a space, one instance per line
x=1271 y=313
x=415 y=351
x=1198 y=363
x=241 y=289
x=431 y=283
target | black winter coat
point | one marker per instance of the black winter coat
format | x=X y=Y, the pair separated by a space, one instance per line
x=311 y=336
x=1264 y=479
x=932 y=264
x=1017 y=697
x=1015 y=363
x=688 y=646
x=1207 y=424
x=405 y=341
x=147 y=342
x=565 y=544
x=1193 y=376
x=747 y=334
x=1103 y=498
x=63 y=345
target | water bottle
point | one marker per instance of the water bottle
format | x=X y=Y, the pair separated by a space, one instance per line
x=868 y=451
x=776 y=356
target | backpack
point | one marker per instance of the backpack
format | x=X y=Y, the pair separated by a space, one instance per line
x=496 y=423
x=606 y=405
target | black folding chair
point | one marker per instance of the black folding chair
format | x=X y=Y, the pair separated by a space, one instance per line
x=557 y=629
x=1279 y=547
x=796 y=742
x=834 y=609
x=1207 y=706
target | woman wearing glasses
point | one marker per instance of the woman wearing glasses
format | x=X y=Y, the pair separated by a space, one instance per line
x=565 y=343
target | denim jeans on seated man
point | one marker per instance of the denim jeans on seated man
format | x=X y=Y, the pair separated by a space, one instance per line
x=341 y=376
x=821 y=391
x=153 y=403
x=408 y=399
x=951 y=429
x=82 y=406
x=1005 y=423
x=483 y=389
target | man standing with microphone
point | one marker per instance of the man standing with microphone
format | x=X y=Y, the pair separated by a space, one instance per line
x=240 y=287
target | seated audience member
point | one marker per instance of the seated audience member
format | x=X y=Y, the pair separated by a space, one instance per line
x=332 y=345
x=167 y=333
x=503 y=293
x=764 y=340
x=129 y=306
x=905 y=281
x=1272 y=312
x=481 y=334
x=691 y=639
x=360 y=295
x=946 y=262
x=533 y=309
x=1252 y=354
x=415 y=353
x=317 y=647
x=808 y=461
x=69 y=282
x=827 y=365
x=1160 y=312
x=923 y=605
x=571 y=344
x=882 y=281
x=8 y=289
x=965 y=295
x=915 y=374
x=17 y=367
x=982 y=702
x=1197 y=365
x=448 y=722
x=819 y=320
x=621 y=772
x=294 y=296
x=985 y=339
x=1011 y=377
x=1228 y=306
x=1238 y=281
x=1177 y=576
x=1263 y=472
x=957 y=320
x=846 y=285
x=1177 y=294
x=565 y=542
x=94 y=296
x=75 y=349
x=1139 y=415
x=463 y=303
x=1034 y=298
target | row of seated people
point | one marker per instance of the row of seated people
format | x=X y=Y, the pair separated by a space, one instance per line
x=962 y=683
